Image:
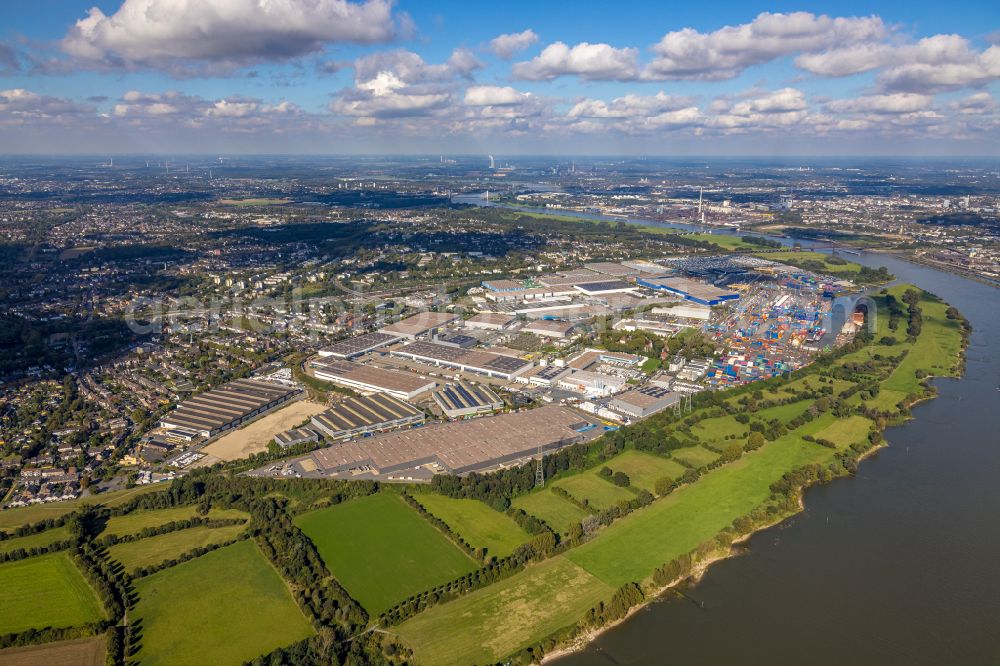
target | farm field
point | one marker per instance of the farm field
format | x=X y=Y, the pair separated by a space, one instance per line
x=488 y=624
x=78 y=652
x=477 y=523
x=597 y=492
x=645 y=469
x=46 y=538
x=382 y=551
x=558 y=513
x=694 y=455
x=632 y=547
x=233 y=591
x=160 y=548
x=133 y=523
x=45 y=591
x=253 y=438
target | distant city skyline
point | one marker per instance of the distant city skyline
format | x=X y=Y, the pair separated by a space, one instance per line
x=373 y=77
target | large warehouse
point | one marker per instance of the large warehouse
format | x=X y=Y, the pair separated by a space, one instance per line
x=462 y=399
x=458 y=447
x=358 y=345
x=366 y=414
x=464 y=360
x=419 y=324
x=645 y=401
x=228 y=406
x=691 y=290
x=369 y=379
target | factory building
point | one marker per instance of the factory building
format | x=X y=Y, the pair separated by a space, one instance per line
x=643 y=402
x=491 y=321
x=295 y=436
x=691 y=290
x=603 y=287
x=500 y=286
x=612 y=269
x=366 y=414
x=369 y=379
x=543 y=375
x=226 y=407
x=589 y=357
x=458 y=447
x=462 y=399
x=693 y=311
x=591 y=383
x=464 y=360
x=422 y=323
x=550 y=328
x=359 y=345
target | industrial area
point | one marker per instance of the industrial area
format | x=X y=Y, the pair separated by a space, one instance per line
x=531 y=365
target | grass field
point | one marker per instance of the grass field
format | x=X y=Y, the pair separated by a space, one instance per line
x=632 y=547
x=694 y=455
x=40 y=539
x=598 y=492
x=726 y=241
x=486 y=625
x=79 y=652
x=718 y=428
x=793 y=258
x=645 y=469
x=11 y=518
x=478 y=524
x=160 y=548
x=558 y=513
x=45 y=591
x=382 y=551
x=844 y=432
x=225 y=607
x=133 y=523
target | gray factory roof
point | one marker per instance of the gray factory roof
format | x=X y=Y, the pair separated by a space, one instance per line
x=222 y=405
x=377 y=378
x=459 y=446
x=463 y=395
x=419 y=323
x=358 y=345
x=365 y=412
x=472 y=358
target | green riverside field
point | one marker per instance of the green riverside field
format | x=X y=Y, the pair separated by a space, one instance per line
x=558 y=513
x=482 y=626
x=477 y=523
x=45 y=591
x=225 y=607
x=382 y=551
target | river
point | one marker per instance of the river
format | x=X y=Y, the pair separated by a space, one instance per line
x=899 y=564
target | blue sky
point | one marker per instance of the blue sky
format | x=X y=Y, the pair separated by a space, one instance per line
x=342 y=76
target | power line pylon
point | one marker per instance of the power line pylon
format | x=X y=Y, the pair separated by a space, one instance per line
x=539 y=470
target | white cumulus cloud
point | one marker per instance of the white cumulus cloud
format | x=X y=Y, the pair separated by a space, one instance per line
x=505 y=46
x=167 y=34
x=594 y=62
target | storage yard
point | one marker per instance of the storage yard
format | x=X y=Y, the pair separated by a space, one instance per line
x=254 y=437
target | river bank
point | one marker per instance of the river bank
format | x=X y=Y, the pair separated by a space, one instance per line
x=856 y=558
